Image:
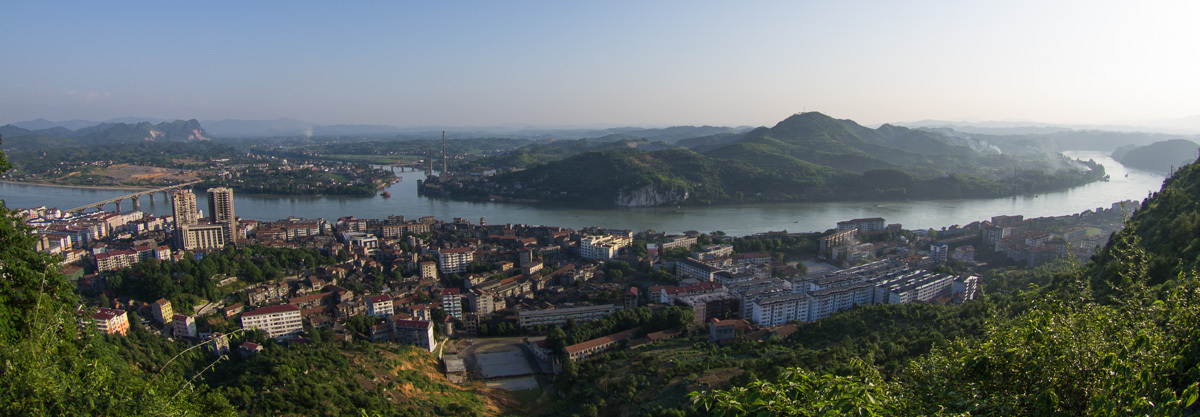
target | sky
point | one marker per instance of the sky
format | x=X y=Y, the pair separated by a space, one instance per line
x=566 y=63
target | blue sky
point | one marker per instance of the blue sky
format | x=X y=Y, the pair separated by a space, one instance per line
x=604 y=63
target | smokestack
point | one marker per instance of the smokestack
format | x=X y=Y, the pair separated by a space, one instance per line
x=430 y=171
x=444 y=153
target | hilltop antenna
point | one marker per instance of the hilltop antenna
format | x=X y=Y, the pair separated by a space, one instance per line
x=443 y=152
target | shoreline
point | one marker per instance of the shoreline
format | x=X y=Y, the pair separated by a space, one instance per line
x=83 y=187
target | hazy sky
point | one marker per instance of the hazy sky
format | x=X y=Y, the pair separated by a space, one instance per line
x=558 y=63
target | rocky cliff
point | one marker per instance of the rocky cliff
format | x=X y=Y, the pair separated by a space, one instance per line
x=649 y=196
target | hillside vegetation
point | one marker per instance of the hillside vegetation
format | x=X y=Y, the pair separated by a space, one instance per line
x=1162 y=156
x=807 y=157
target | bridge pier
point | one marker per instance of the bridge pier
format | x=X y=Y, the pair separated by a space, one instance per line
x=136 y=203
x=100 y=207
x=151 y=194
x=118 y=203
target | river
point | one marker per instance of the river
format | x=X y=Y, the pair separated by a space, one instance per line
x=737 y=220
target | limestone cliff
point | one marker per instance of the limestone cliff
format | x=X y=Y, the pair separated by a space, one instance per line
x=649 y=196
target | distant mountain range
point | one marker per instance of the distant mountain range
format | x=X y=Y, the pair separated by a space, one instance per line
x=21 y=138
x=235 y=128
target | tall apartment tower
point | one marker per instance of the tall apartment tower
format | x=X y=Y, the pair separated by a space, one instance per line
x=220 y=207
x=183 y=208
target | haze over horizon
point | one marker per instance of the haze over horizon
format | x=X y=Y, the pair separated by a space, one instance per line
x=552 y=64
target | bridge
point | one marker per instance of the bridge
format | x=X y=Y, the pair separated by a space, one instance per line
x=134 y=197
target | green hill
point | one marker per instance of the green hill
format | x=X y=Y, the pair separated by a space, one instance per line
x=806 y=157
x=1161 y=156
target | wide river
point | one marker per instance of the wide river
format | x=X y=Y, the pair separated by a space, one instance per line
x=735 y=220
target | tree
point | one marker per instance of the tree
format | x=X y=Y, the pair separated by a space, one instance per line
x=50 y=367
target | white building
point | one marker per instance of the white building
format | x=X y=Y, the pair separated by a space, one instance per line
x=559 y=316
x=779 y=309
x=939 y=252
x=380 y=305
x=452 y=303
x=602 y=247
x=455 y=260
x=277 y=321
x=414 y=332
x=185 y=326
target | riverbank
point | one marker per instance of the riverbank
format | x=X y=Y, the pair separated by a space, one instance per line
x=81 y=187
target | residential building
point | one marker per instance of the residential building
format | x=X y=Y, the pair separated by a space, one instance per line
x=110 y=321
x=602 y=247
x=939 y=252
x=219 y=344
x=558 y=316
x=779 y=309
x=220 y=210
x=418 y=333
x=183 y=208
x=863 y=225
x=631 y=298
x=692 y=268
x=277 y=321
x=455 y=260
x=711 y=252
x=428 y=270
x=115 y=259
x=452 y=302
x=184 y=326
x=580 y=351
x=678 y=242
x=162 y=311
x=380 y=305
x=203 y=236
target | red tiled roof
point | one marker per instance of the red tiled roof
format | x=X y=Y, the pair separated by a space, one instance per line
x=600 y=341
x=412 y=323
x=272 y=310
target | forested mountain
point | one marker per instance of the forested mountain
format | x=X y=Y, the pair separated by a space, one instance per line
x=1159 y=156
x=807 y=157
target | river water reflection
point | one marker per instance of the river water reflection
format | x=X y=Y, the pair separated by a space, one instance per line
x=735 y=220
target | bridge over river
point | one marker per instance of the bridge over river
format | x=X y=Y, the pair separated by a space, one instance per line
x=135 y=197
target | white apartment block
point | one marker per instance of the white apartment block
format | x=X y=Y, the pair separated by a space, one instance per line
x=831 y=300
x=414 y=332
x=602 y=247
x=277 y=321
x=455 y=260
x=452 y=303
x=380 y=305
x=779 y=309
x=201 y=237
x=184 y=326
x=559 y=316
